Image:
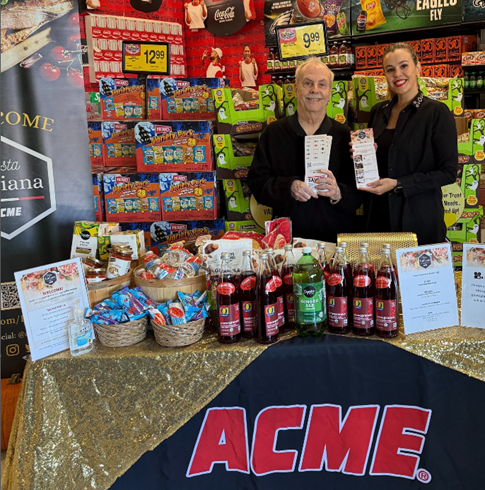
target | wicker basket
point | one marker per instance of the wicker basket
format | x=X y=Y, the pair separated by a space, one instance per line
x=100 y=291
x=161 y=290
x=178 y=335
x=122 y=334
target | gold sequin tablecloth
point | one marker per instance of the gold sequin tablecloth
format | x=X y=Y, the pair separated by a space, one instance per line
x=83 y=421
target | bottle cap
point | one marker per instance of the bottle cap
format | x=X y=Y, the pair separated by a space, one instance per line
x=247 y=252
x=364 y=245
x=338 y=249
x=343 y=245
x=288 y=248
x=362 y=250
x=321 y=245
x=225 y=255
x=263 y=256
x=307 y=250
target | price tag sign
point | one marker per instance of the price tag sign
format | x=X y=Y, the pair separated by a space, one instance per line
x=141 y=57
x=302 y=40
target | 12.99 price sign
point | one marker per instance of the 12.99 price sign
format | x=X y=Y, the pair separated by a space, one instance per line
x=140 y=57
x=302 y=40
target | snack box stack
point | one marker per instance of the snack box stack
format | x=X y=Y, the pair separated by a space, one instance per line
x=95 y=138
x=175 y=146
x=182 y=98
x=98 y=193
x=233 y=156
x=93 y=106
x=85 y=237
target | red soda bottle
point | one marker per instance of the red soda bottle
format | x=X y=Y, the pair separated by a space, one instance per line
x=338 y=295
x=267 y=330
x=371 y=265
x=349 y=276
x=228 y=303
x=248 y=296
x=279 y=290
x=387 y=313
x=322 y=259
x=363 y=296
x=287 y=277
x=387 y=246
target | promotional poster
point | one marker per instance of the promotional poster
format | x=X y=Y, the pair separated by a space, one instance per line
x=44 y=143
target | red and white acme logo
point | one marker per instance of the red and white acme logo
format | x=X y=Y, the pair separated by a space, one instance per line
x=340 y=444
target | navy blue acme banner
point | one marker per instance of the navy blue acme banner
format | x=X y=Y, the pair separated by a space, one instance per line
x=335 y=413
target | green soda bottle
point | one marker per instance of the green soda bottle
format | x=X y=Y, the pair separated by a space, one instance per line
x=309 y=292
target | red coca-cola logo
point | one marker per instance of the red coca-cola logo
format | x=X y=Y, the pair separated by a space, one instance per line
x=383 y=282
x=248 y=283
x=175 y=312
x=226 y=288
x=334 y=279
x=361 y=281
x=288 y=279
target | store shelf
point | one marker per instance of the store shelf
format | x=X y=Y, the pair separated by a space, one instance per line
x=338 y=70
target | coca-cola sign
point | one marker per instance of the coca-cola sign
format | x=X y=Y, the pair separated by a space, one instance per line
x=226 y=17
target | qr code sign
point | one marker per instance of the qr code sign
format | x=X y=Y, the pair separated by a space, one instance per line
x=10 y=296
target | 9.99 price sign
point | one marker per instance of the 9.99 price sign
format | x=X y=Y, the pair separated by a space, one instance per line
x=302 y=40
x=140 y=57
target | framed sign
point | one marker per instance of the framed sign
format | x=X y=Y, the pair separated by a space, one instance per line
x=299 y=41
x=146 y=57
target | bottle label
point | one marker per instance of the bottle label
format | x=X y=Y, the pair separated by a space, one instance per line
x=226 y=288
x=271 y=319
x=290 y=306
x=273 y=284
x=117 y=267
x=84 y=339
x=229 y=320
x=288 y=279
x=334 y=279
x=363 y=311
x=248 y=283
x=281 y=311
x=249 y=314
x=337 y=312
x=361 y=281
x=383 y=282
x=310 y=302
x=386 y=317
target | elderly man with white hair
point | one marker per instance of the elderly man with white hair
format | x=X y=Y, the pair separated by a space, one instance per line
x=276 y=177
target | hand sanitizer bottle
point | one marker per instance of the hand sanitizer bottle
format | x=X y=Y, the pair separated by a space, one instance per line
x=80 y=332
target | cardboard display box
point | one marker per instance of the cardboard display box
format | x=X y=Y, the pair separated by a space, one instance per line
x=233 y=157
x=95 y=138
x=118 y=144
x=181 y=98
x=190 y=196
x=246 y=225
x=229 y=120
x=122 y=99
x=368 y=91
x=132 y=197
x=173 y=146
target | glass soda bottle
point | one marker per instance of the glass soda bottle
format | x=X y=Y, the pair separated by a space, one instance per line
x=267 y=328
x=248 y=296
x=349 y=276
x=322 y=260
x=363 y=296
x=228 y=303
x=309 y=291
x=333 y=56
x=387 y=246
x=279 y=289
x=338 y=295
x=343 y=57
x=387 y=313
x=287 y=277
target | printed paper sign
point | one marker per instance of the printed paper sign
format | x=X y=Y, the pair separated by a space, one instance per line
x=473 y=286
x=427 y=286
x=365 y=161
x=317 y=157
x=47 y=294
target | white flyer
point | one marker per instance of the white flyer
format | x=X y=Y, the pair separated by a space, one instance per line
x=46 y=297
x=473 y=286
x=427 y=287
x=317 y=157
x=365 y=160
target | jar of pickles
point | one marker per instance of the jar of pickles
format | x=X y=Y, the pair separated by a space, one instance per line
x=119 y=261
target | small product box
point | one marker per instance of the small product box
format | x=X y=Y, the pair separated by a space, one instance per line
x=368 y=91
x=122 y=99
x=118 y=144
x=134 y=238
x=98 y=193
x=183 y=146
x=237 y=119
x=441 y=49
x=416 y=45
x=472 y=58
x=132 y=197
x=85 y=237
x=164 y=233
x=446 y=90
x=246 y=225
x=93 y=106
x=360 y=57
x=137 y=226
x=440 y=71
x=95 y=137
x=455 y=71
x=181 y=98
x=233 y=157
x=428 y=51
x=372 y=60
x=460 y=44
x=190 y=196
